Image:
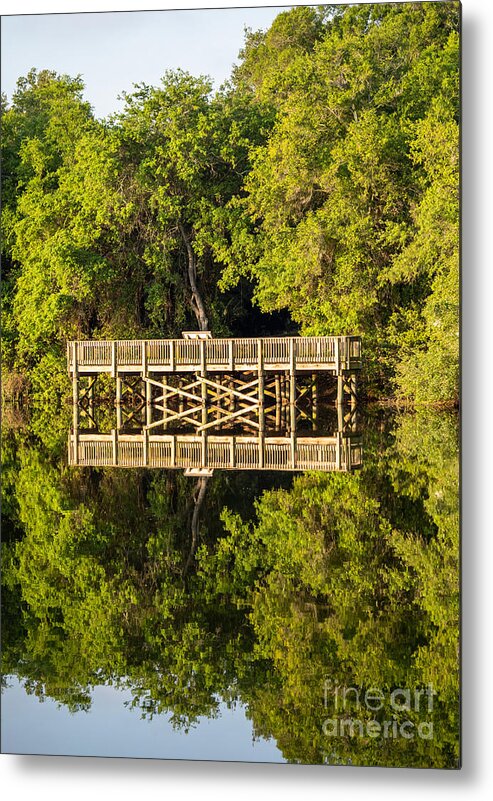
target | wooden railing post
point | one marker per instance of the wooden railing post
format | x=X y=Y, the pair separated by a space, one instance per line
x=340 y=383
x=230 y=355
x=113 y=359
x=144 y=357
x=118 y=402
x=114 y=434
x=145 y=448
x=203 y=452
x=172 y=355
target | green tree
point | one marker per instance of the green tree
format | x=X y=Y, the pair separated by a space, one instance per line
x=187 y=152
x=343 y=188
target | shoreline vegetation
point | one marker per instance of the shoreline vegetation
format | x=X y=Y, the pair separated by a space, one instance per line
x=315 y=193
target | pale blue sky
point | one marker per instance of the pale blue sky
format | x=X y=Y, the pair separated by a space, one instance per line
x=112 y=51
x=112 y=729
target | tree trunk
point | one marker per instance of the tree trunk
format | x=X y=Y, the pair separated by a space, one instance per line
x=199 y=495
x=196 y=301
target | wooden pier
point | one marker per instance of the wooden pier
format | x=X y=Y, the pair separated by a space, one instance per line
x=256 y=390
x=200 y=455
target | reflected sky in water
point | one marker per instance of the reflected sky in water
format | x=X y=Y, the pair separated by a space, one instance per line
x=111 y=728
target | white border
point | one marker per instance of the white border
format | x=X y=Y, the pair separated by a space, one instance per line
x=78 y=778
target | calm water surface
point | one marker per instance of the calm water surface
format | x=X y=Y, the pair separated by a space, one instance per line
x=271 y=616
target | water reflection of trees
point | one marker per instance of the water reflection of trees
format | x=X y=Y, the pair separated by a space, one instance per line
x=346 y=577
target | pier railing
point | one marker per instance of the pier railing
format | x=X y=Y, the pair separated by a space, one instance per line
x=215 y=452
x=220 y=355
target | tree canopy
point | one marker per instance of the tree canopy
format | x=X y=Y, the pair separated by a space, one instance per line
x=320 y=183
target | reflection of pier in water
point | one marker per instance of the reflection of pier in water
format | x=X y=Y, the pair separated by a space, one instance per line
x=199 y=455
x=202 y=404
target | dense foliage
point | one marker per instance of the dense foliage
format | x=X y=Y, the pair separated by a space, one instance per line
x=322 y=180
x=351 y=578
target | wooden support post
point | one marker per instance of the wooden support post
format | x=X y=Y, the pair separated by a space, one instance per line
x=232 y=461
x=285 y=400
x=181 y=399
x=354 y=395
x=148 y=393
x=173 y=451
x=340 y=389
x=118 y=403
x=339 y=372
x=277 y=379
x=292 y=386
x=164 y=401
x=340 y=418
x=204 y=385
x=90 y=396
x=314 y=400
x=260 y=368
x=147 y=385
x=203 y=457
